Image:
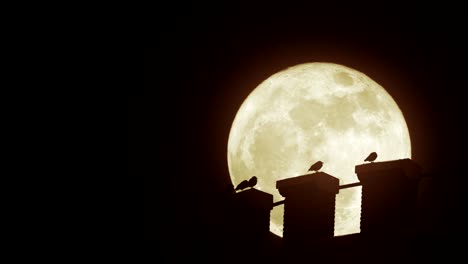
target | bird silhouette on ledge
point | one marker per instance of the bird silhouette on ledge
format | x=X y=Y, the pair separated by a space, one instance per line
x=371 y=157
x=316 y=166
x=245 y=184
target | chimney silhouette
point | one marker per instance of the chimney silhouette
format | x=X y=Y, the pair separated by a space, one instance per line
x=309 y=208
x=389 y=197
x=250 y=217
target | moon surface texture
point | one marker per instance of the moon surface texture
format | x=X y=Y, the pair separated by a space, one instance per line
x=310 y=112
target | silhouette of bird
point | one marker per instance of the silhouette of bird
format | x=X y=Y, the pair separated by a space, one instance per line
x=247 y=183
x=252 y=181
x=244 y=184
x=371 y=157
x=316 y=166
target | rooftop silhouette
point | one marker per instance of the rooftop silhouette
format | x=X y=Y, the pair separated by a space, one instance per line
x=395 y=196
x=389 y=229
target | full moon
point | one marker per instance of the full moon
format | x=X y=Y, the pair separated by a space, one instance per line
x=310 y=112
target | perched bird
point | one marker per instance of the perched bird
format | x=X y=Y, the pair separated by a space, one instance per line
x=252 y=181
x=244 y=184
x=371 y=157
x=316 y=166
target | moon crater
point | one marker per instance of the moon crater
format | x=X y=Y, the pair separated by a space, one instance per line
x=343 y=78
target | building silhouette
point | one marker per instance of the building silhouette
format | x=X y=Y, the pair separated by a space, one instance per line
x=249 y=222
x=389 y=197
x=251 y=211
x=309 y=209
x=389 y=231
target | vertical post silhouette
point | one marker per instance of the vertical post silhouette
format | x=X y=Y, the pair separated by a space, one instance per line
x=389 y=197
x=309 y=208
x=250 y=218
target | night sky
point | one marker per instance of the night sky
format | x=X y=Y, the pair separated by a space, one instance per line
x=199 y=66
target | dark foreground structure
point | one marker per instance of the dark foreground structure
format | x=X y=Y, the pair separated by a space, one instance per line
x=393 y=229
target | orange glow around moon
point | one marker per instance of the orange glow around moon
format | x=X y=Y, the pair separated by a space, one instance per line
x=311 y=112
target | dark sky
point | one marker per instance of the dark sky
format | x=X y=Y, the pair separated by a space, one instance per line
x=199 y=66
